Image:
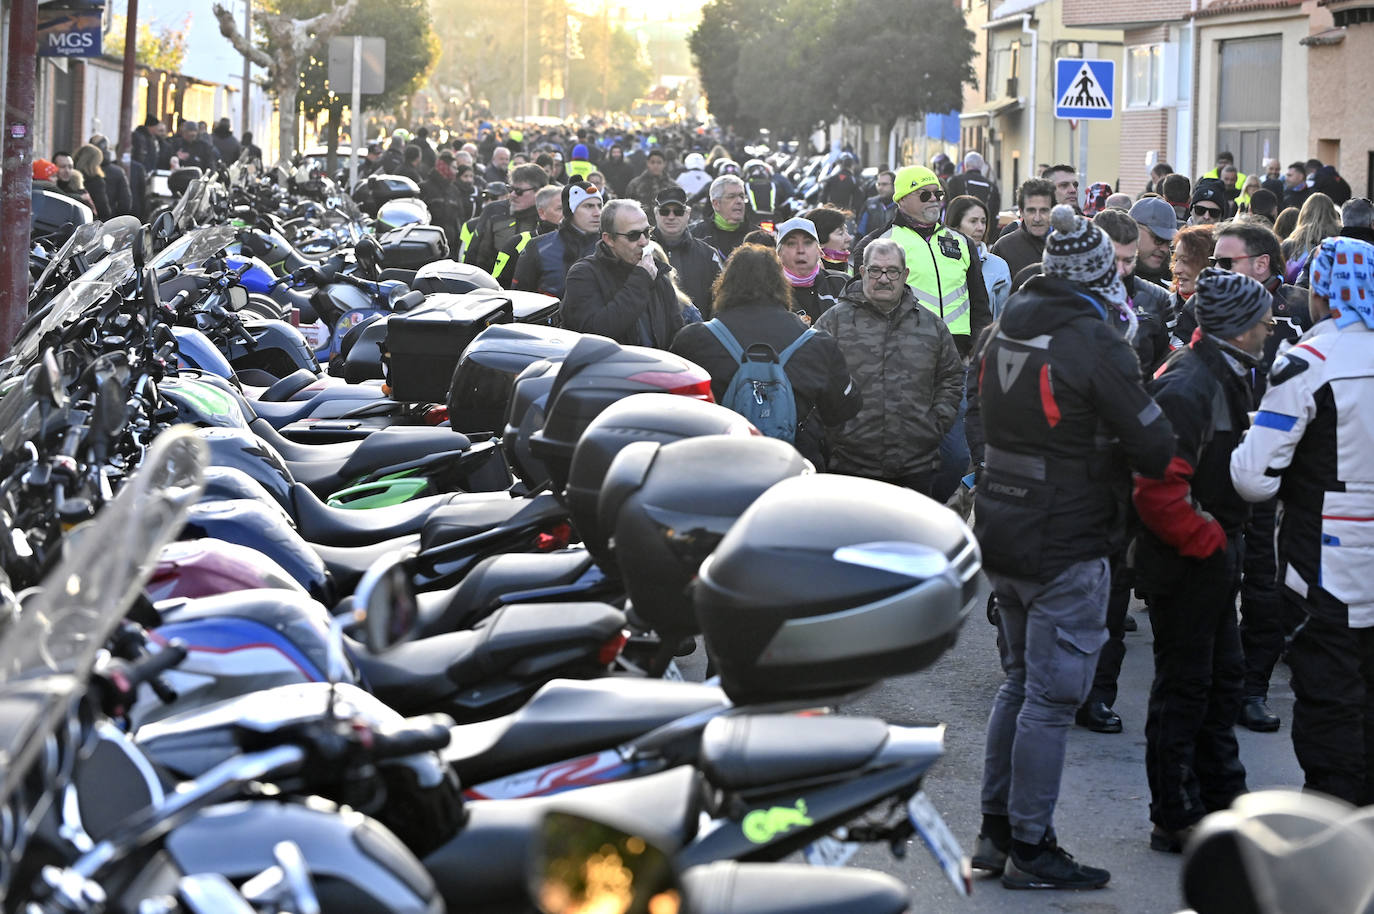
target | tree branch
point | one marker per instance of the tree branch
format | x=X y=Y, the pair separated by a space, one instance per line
x=229 y=29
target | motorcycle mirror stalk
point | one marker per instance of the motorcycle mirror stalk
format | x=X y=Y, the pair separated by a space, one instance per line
x=384 y=608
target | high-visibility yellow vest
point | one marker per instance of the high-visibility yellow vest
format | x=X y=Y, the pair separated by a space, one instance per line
x=939 y=273
x=503 y=258
x=580 y=168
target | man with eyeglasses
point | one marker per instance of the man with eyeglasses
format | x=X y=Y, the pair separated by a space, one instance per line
x=695 y=262
x=504 y=220
x=1188 y=559
x=549 y=203
x=908 y=370
x=621 y=291
x=724 y=229
x=1158 y=226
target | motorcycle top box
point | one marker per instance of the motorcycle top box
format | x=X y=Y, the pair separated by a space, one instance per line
x=661 y=418
x=597 y=373
x=413 y=245
x=480 y=391
x=378 y=189
x=453 y=277
x=424 y=345
x=669 y=505
x=828 y=584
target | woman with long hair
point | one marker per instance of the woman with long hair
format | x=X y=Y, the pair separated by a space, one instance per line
x=969 y=216
x=1317 y=220
x=752 y=301
x=1193 y=248
x=87 y=161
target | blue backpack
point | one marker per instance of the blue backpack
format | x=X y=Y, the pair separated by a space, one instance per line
x=760 y=389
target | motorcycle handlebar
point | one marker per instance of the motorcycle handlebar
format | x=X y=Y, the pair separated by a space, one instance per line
x=427 y=733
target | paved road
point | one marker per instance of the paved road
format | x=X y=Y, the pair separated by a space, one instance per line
x=1103 y=815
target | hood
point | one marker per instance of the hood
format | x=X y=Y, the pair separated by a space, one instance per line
x=1363 y=233
x=1044 y=304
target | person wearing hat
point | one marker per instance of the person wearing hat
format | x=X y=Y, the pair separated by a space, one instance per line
x=1209 y=203
x=548 y=202
x=693 y=179
x=944 y=271
x=654 y=179
x=695 y=262
x=1188 y=559
x=544 y=268
x=1158 y=226
x=724 y=229
x=814 y=288
x=1311 y=444
x=906 y=366
x=505 y=219
x=447 y=201
x=580 y=165
x=1051 y=384
x=494 y=194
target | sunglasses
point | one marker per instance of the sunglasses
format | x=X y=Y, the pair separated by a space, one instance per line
x=1201 y=210
x=517 y=191
x=1226 y=262
x=925 y=196
x=672 y=209
x=634 y=235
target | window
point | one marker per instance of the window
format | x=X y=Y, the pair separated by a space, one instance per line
x=1247 y=85
x=1004 y=65
x=1144 y=75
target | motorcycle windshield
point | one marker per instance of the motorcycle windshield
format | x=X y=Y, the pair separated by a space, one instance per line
x=196 y=246
x=85 y=239
x=72 y=302
x=47 y=653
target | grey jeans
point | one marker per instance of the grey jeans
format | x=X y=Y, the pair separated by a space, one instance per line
x=1051 y=634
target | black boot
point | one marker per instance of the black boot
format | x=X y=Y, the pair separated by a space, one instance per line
x=1255 y=715
x=1096 y=716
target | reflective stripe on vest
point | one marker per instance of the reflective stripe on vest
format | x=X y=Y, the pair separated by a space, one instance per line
x=503 y=258
x=465 y=236
x=753 y=201
x=938 y=282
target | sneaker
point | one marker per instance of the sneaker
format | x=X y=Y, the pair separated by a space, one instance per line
x=1054 y=868
x=990 y=856
x=1170 y=842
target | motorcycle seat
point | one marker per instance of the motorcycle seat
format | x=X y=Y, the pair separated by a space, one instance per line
x=344 y=396
x=457 y=523
x=289 y=386
x=484 y=867
x=790 y=888
x=330 y=526
x=348 y=563
x=768 y=750
x=418 y=676
x=481 y=589
x=567 y=718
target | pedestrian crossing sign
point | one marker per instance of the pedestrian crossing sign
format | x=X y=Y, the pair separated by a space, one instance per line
x=1084 y=89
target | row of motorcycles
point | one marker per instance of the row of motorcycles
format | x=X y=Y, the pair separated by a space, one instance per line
x=401 y=634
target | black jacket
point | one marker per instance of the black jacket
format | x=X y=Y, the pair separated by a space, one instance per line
x=495 y=227
x=198 y=153
x=146 y=147
x=444 y=197
x=975 y=185
x=604 y=294
x=1049 y=388
x=717 y=237
x=544 y=264
x=817 y=298
x=226 y=145
x=1020 y=249
x=696 y=264
x=820 y=378
x=1194 y=509
x=843 y=189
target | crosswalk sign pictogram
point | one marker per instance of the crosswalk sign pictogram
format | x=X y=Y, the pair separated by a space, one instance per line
x=1084 y=88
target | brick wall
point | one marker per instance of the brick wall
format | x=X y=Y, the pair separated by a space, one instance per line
x=1141 y=130
x=1115 y=12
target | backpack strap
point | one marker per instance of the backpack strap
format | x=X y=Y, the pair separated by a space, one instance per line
x=726 y=338
x=796 y=344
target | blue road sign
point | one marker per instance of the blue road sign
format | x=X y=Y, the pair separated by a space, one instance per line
x=1084 y=89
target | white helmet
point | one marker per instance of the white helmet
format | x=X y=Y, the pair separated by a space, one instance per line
x=694 y=161
x=757 y=165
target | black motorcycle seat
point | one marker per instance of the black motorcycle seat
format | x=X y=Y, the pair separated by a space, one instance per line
x=321 y=523
x=390 y=446
x=483 y=869
x=738 y=753
x=567 y=718
x=417 y=676
x=279 y=414
x=288 y=386
x=474 y=513
x=448 y=526
x=347 y=563
x=481 y=589
x=292 y=298
x=790 y=888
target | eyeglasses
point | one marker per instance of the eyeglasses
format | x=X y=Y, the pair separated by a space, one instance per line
x=517 y=191
x=884 y=272
x=1225 y=262
x=925 y=196
x=672 y=209
x=1270 y=324
x=1201 y=210
x=632 y=236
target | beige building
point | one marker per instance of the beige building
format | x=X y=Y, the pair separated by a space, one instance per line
x=1340 y=91
x=1012 y=121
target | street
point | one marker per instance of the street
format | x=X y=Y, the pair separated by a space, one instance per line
x=1103 y=815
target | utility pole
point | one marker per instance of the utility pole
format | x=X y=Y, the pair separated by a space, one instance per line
x=247 y=64
x=16 y=185
x=525 y=64
x=126 y=88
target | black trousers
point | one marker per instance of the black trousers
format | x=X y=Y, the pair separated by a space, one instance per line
x=1261 y=627
x=1114 y=651
x=1333 y=711
x=1191 y=756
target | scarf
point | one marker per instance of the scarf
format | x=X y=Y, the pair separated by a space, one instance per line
x=726 y=226
x=834 y=256
x=803 y=281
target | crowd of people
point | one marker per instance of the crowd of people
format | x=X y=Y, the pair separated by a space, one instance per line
x=1159 y=396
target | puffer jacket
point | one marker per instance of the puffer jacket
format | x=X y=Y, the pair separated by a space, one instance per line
x=544 y=266
x=606 y=295
x=911 y=379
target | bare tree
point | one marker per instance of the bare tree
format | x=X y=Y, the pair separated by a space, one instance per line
x=292 y=42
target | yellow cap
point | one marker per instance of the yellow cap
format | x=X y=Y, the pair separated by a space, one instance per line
x=912 y=177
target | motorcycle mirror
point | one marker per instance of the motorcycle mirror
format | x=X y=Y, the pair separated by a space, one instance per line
x=111 y=406
x=386 y=597
x=142 y=247
x=47 y=383
x=578 y=864
x=164 y=227
x=238 y=298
